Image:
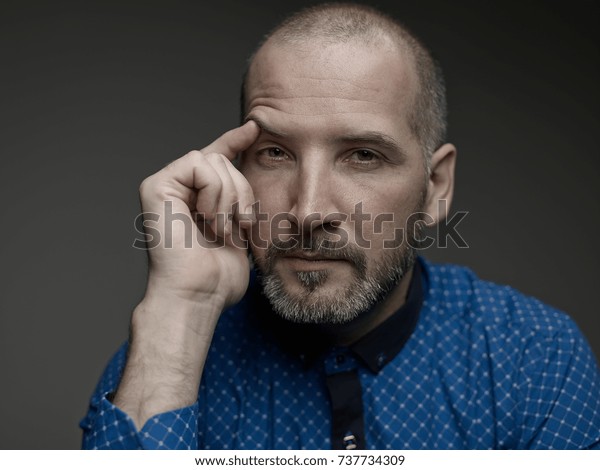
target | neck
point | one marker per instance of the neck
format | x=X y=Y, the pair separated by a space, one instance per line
x=348 y=333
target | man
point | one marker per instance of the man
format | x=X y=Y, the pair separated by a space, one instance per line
x=341 y=338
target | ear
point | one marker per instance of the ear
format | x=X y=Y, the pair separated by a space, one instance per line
x=441 y=182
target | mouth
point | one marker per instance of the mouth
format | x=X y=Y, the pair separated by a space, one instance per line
x=308 y=256
x=308 y=261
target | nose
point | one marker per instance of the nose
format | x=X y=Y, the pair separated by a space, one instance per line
x=313 y=194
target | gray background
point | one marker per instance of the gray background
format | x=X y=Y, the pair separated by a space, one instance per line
x=95 y=96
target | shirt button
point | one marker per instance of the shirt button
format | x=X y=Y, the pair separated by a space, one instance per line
x=340 y=359
x=381 y=359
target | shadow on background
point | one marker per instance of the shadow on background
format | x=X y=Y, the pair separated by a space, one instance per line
x=97 y=95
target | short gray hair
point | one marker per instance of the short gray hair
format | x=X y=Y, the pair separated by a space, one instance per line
x=342 y=22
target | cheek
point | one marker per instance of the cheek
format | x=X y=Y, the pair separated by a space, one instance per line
x=389 y=214
x=269 y=189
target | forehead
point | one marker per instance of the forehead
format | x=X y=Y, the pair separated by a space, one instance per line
x=318 y=82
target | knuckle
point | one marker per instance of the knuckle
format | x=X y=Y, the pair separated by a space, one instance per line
x=193 y=156
x=150 y=190
x=145 y=185
x=214 y=157
x=217 y=183
x=234 y=196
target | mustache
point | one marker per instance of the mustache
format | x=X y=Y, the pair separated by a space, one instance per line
x=316 y=245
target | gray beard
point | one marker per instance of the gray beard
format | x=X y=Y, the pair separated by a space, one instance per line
x=345 y=305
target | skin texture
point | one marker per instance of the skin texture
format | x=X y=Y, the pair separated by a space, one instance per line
x=317 y=155
x=323 y=107
x=188 y=288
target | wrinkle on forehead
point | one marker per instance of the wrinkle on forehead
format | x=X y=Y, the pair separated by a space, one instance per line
x=335 y=78
x=289 y=86
x=313 y=105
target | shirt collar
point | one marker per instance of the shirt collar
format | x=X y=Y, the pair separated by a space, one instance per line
x=375 y=349
x=381 y=345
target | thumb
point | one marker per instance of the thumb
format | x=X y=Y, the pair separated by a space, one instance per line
x=234 y=141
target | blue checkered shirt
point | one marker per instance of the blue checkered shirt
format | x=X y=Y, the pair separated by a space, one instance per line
x=483 y=367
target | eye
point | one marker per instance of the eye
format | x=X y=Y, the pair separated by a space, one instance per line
x=275 y=153
x=364 y=158
x=365 y=155
x=269 y=156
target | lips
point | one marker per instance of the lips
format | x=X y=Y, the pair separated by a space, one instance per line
x=318 y=256
x=311 y=262
x=313 y=257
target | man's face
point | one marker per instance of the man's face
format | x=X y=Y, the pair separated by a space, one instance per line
x=337 y=172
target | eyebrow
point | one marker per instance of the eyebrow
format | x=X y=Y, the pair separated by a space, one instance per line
x=367 y=138
x=265 y=128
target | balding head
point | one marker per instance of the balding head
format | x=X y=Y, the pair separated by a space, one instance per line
x=345 y=23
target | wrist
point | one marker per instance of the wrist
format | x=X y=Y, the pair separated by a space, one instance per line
x=170 y=338
x=167 y=288
x=174 y=325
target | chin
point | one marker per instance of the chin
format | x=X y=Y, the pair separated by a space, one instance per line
x=315 y=297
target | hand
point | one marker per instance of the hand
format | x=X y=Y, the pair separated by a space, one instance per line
x=183 y=263
x=188 y=288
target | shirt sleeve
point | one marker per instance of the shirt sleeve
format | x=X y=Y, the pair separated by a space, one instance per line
x=560 y=392
x=107 y=427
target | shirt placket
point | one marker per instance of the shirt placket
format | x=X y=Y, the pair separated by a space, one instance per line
x=345 y=394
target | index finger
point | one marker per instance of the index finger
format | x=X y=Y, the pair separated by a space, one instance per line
x=234 y=141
